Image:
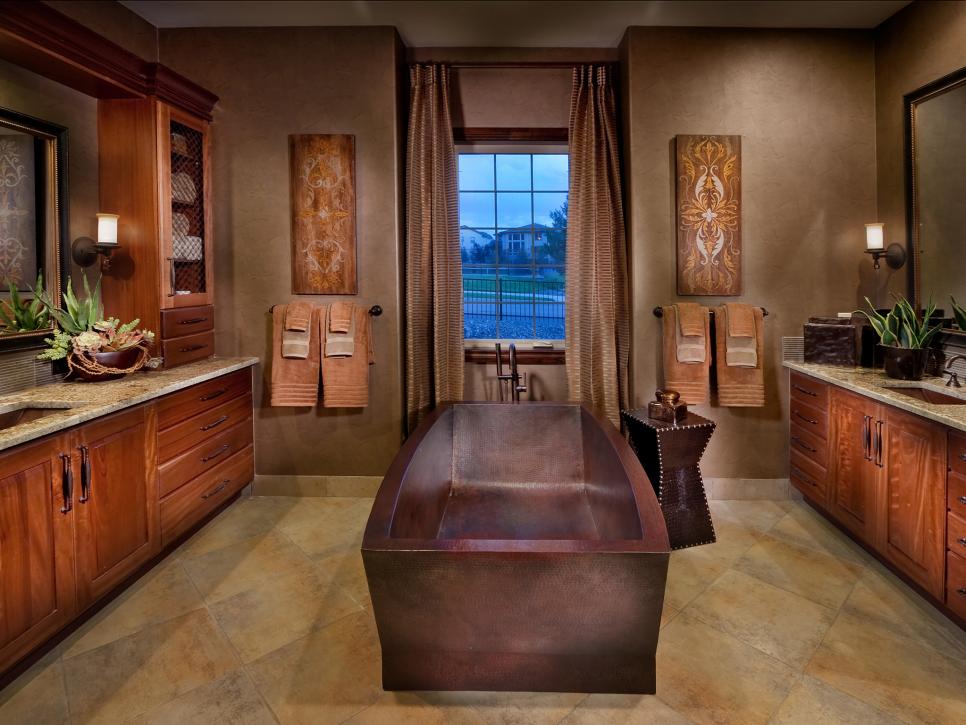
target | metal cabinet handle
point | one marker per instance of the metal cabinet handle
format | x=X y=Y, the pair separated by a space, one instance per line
x=962 y=456
x=866 y=437
x=218 y=489
x=878 y=444
x=961 y=591
x=215 y=423
x=800 y=389
x=798 y=474
x=85 y=475
x=191 y=348
x=803 y=444
x=217 y=453
x=807 y=420
x=67 y=483
x=962 y=500
x=212 y=396
x=962 y=540
x=192 y=320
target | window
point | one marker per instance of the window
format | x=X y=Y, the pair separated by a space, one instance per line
x=513 y=236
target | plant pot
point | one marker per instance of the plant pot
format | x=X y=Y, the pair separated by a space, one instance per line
x=904 y=363
x=123 y=360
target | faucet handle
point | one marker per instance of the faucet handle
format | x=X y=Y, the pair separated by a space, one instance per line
x=522 y=384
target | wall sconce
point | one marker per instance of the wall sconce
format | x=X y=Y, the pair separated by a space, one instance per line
x=895 y=255
x=85 y=250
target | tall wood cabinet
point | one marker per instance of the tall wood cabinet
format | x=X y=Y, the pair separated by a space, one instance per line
x=155 y=173
x=855 y=464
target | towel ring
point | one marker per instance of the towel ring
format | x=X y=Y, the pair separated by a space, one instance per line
x=659 y=312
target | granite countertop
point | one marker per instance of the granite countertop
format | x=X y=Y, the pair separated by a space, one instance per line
x=85 y=401
x=872 y=383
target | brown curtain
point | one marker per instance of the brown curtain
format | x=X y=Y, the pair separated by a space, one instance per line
x=434 y=287
x=597 y=310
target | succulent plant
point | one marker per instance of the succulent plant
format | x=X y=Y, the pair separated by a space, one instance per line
x=20 y=315
x=902 y=326
x=959 y=313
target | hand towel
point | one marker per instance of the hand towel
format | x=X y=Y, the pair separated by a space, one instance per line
x=689 y=334
x=690 y=379
x=295 y=382
x=740 y=349
x=739 y=387
x=345 y=380
x=296 y=335
x=298 y=315
x=339 y=344
x=340 y=316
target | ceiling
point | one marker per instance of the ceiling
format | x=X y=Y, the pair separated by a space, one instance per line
x=501 y=23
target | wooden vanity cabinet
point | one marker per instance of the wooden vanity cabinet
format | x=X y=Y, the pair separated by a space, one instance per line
x=855 y=463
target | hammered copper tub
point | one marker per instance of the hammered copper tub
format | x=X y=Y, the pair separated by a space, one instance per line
x=516 y=547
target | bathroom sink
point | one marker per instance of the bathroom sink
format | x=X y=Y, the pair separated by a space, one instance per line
x=11 y=416
x=928 y=395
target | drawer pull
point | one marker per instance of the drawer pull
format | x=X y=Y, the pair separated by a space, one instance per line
x=193 y=321
x=218 y=421
x=218 y=489
x=211 y=396
x=962 y=500
x=962 y=540
x=803 y=444
x=191 y=348
x=85 y=475
x=962 y=456
x=961 y=591
x=67 y=483
x=218 y=452
x=803 y=477
x=807 y=420
x=800 y=389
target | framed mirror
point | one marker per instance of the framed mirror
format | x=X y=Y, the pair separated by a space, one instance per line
x=33 y=223
x=935 y=202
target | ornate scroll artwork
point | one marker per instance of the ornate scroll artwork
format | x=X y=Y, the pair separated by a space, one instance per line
x=323 y=214
x=709 y=215
x=18 y=231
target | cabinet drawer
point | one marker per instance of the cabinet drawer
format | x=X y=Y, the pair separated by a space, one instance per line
x=191 y=503
x=202 y=397
x=807 y=476
x=186 y=321
x=956 y=494
x=810 y=418
x=956 y=534
x=189 y=433
x=809 y=390
x=181 y=350
x=205 y=456
x=957 y=453
x=956 y=584
x=808 y=444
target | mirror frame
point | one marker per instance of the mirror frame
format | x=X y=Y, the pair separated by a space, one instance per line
x=910 y=102
x=57 y=186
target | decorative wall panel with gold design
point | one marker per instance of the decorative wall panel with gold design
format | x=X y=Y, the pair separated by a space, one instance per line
x=18 y=216
x=708 y=215
x=323 y=214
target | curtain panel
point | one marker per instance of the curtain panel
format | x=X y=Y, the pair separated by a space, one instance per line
x=598 y=334
x=434 y=286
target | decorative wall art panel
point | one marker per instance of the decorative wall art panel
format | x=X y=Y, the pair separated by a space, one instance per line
x=323 y=214
x=18 y=217
x=708 y=215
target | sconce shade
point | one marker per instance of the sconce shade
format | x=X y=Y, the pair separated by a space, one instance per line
x=874 y=236
x=107 y=230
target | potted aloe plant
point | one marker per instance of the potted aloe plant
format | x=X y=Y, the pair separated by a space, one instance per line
x=904 y=337
x=95 y=347
x=24 y=315
x=959 y=313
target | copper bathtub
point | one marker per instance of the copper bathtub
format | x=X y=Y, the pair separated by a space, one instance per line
x=516 y=547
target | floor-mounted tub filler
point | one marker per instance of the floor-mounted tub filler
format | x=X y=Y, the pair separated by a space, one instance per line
x=517 y=547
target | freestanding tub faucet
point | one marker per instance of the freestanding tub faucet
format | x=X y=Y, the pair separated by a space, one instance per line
x=516 y=387
x=953 y=377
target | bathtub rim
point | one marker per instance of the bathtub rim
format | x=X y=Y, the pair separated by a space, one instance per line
x=654 y=540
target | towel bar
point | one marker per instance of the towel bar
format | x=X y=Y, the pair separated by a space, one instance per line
x=374 y=311
x=659 y=312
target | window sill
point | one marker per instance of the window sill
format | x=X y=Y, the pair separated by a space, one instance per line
x=485 y=356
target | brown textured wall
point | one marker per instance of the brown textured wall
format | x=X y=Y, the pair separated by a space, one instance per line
x=272 y=83
x=923 y=42
x=803 y=105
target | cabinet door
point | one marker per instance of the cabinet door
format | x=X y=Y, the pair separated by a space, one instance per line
x=913 y=507
x=853 y=470
x=117 y=499
x=37 y=594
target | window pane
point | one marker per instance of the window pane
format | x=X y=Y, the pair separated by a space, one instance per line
x=478 y=246
x=476 y=209
x=513 y=209
x=479 y=303
x=550 y=172
x=550 y=209
x=515 y=246
x=476 y=172
x=513 y=172
x=552 y=249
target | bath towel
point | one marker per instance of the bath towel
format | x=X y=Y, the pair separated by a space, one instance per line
x=739 y=387
x=690 y=340
x=340 y=316
x=741 y=347
x=690 y=379
x=295 y=382
x=296 y=335
x=339 y=343
x=345 y=380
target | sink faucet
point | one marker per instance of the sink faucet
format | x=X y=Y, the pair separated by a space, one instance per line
x=513 y=377
x=953 y=376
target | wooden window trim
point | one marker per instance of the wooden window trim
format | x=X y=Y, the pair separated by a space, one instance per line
x=510 y=135
x=483 y=356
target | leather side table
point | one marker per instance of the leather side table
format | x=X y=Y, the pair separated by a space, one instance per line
x=670 y=454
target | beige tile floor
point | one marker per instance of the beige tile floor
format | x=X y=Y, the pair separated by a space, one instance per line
x=263 y=617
